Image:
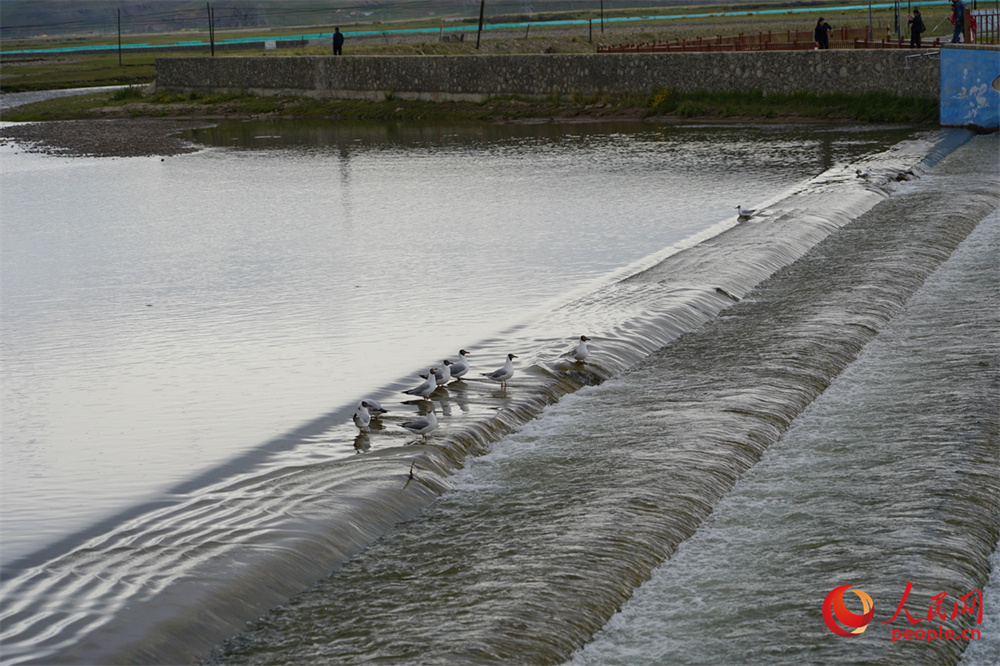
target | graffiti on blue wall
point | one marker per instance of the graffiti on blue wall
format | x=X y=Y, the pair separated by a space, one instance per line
x=970 y=87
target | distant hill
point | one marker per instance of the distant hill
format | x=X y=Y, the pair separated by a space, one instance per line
x=35 y=18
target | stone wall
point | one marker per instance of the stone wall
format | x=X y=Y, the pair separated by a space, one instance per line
x=476 y=78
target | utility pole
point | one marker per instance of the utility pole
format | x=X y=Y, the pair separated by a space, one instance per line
x=119 y=37
x=482 y=10
x=211 y=27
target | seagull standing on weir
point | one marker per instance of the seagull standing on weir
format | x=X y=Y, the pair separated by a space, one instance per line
x=361 y=417
x=503 y=374
x=744 y=214
x=443 y=374
x=581 y=352
x=423 y=425
x=461 y=366
x=424 y=390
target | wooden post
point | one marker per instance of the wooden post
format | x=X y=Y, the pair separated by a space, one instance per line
x=602 y=17
x=119 y=38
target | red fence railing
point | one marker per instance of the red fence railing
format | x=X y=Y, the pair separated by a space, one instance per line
x=987 y=27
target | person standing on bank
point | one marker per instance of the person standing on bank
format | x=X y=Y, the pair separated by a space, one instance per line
x=338 y=42
x=821 y=35
x=916 y=28
x=958 y=19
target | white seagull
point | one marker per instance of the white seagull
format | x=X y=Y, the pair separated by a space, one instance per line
x=425 y=389
x=580 y=352
x=503 y=374
x=744 y=215
x=361 y=417
x=422 y=425
x=442 y=375
x=461 y=366
x=374 y=407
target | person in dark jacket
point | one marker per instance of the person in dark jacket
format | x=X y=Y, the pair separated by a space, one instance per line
x=958 y=20
x=916 y=28
x=338 y=42
x=821 y=35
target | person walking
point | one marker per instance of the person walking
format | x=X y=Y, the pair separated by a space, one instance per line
x=338 y=42
x=821 y=35
x=916 y=28
x=958 y=20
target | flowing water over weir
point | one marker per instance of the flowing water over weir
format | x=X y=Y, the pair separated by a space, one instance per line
x=550 y=531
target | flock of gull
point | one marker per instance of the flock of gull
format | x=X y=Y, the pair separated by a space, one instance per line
x=369 y=409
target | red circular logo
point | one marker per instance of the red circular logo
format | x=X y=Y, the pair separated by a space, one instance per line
x=833 y=607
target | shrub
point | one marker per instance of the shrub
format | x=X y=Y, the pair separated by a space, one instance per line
x=126 y=93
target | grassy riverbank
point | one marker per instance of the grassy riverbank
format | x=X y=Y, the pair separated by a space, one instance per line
x=137 y=69
x=664 y=105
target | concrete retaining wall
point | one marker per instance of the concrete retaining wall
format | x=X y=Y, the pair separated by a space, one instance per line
x=476 y=78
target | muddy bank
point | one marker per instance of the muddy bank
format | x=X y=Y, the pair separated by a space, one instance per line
x=126 y=137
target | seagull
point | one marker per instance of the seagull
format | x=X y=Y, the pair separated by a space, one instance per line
x=744 y=215
x=503 y=374
x=425 y=389
x=581 y=351
x=422 y=425
x=864 y=175
x=361 y=417
x=374 y=407
x=442 y=375
x=460 y=367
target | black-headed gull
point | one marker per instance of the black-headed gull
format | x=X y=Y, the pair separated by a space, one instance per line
x=374 y=407
x=443 y=374
x=581 y=352
x=744 y=214
x=461 y=366
x=864 y=175
x=361 y=417
x=503 y=374
x=425 y=389
x=422 y=425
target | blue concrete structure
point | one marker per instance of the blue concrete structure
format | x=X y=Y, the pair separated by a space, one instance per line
x=970 y=87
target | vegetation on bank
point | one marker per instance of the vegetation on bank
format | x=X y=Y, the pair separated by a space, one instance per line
x=664 y=105
x=137 y=70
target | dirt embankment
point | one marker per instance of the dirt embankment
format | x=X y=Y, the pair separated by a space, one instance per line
x=127 y=137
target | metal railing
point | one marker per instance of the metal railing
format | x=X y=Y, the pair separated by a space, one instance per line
x=988 y=32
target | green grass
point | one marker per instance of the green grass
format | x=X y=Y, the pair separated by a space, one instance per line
x=80 y=71
x=663 y=104
x=867 y=107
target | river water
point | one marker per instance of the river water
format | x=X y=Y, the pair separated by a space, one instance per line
x=184 y=341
